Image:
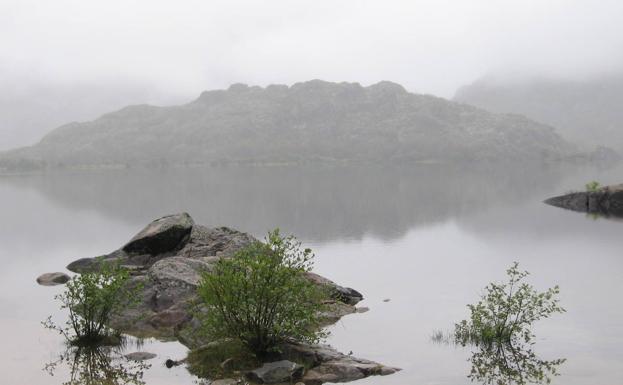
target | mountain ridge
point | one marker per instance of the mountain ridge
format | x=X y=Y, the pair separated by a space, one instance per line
x=585 y=111
x=313 y=121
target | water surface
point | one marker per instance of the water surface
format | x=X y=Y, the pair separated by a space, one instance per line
x=428 y=238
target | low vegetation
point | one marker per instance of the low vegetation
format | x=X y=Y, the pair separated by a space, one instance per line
x=592 y=186
x=92 y=299
x=261 y=296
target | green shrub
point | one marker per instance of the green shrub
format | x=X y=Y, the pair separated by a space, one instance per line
x=500 y=327
x=92 y=299
x=261 y=295
x=507 y=311
x=592 y=186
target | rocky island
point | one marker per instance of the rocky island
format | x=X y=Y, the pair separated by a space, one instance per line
x=166 y=260
x=606 y=201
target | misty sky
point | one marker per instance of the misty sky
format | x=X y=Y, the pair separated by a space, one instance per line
x=179 y=48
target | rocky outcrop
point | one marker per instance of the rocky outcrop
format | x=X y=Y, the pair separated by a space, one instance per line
x=52 y=279
x=328 y=365
x=167 y=259
x=606 y=201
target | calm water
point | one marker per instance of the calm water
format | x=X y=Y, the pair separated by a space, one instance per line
x=427 y=238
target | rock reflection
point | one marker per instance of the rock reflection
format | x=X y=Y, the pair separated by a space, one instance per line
x=98 y=366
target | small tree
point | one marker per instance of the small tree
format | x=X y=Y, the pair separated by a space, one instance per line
x=92 y=299
x=507 y=311
x=261 y=296
x=500 y=326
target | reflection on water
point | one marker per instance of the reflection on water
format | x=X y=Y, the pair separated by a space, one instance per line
x=102 y=365
x=314 y=202
x=506 y=364
x=427 y=237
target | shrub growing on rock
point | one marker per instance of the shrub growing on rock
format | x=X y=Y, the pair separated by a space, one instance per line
x=592 y=186
x=91 y=299
x=261 y=297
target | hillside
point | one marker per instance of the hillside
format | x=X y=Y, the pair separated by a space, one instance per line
x=307 y=122
x=586 y=112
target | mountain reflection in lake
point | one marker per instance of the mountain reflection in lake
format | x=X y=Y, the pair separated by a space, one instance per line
x=426 y=237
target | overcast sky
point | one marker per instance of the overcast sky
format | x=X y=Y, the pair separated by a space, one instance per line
x=429 y=46
x=179 y=48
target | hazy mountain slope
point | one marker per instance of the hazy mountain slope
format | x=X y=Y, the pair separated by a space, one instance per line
x=29 y=110
x=311 y=121
x=587 y=112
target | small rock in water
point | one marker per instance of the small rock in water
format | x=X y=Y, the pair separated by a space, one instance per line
x=224 y=381
x=362 y=309
x=140 y=356
x=169 y=363
x=276 y=372
x=52 y=279
x=386 y=300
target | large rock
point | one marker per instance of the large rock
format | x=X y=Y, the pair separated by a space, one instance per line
x=168 y=308
x=162 y=235
x=52 y=279
x=607 y=201
x=276 y=372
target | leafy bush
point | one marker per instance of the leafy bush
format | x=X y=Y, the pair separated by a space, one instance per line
x=92 y=299
x=261 y=295
x=507 y=311
x=500 y=327
x=592 y=186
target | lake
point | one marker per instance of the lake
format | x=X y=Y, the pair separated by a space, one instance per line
x=428 y=238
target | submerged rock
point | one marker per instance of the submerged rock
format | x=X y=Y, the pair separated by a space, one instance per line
x=140 y=356
x=276 y=372
x=607 y=201
x=328 y=365
x=52 y=279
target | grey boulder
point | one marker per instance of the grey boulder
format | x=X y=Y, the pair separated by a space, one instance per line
x=53 y=279
x=162 y=235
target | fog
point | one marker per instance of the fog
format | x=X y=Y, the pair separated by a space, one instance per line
x=166 y=52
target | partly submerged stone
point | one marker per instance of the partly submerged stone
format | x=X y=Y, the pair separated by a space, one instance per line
x=162 y=235
x=53 y=279
x=276 y=372
x=140 y=356
x=225 y=381
x=328 y=365
x=343 y=294
x=607 y=201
